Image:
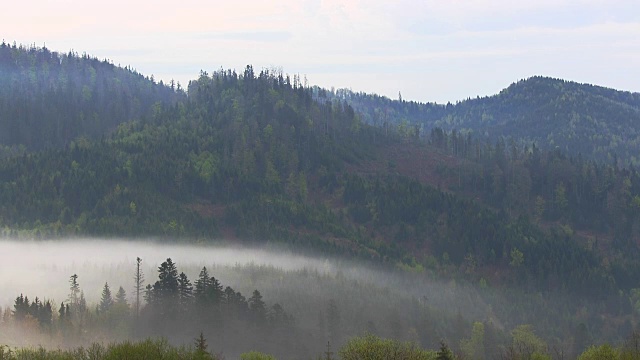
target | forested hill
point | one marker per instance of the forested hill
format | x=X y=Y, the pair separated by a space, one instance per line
x=48 y=99
x=258 y=158
x=597 y=122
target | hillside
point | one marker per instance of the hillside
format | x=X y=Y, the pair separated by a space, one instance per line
x=49 y=99
x=258 y=158
x=598 y=123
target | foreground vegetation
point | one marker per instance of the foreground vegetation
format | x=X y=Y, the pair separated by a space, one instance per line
x=368 y=347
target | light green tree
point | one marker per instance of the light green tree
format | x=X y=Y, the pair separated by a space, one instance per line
x=602 y=352
x=473 y=348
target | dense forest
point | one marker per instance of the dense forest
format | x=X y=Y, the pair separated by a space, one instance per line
x=465 y=193
x=178 y=311
x=598 y=123
x=49 y=99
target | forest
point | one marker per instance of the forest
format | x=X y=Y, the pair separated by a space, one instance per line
x=546 y=236
x=578 y=119
x=164 y=309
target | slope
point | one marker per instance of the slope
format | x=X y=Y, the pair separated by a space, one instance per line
x=597 y=122
x=254 y=158
x=48 y=99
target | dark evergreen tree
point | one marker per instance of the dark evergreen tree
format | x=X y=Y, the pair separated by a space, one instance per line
x=106 y=301
x=45 y=316
x=257 y=308
x=202 y=286
x=74 y=292
x=444 y=353
x=20 y=308
x=185 y=291
x=121 y=297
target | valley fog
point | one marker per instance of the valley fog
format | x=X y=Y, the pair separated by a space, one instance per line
x=326 y=298
x=43 y=268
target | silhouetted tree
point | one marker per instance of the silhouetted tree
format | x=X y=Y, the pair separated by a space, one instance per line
x=106 y=301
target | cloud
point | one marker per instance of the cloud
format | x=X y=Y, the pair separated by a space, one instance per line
x=362 y=44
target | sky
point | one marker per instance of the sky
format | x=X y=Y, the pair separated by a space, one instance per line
x=428 y=51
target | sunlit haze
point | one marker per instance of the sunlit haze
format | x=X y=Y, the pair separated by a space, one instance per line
x=427 y=50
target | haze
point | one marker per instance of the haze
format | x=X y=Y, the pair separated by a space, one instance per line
x=43 y=267
x=427 y=50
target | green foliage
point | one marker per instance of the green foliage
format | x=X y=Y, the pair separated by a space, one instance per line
x=50 y=99
x=517 y=258
x=473 y=348
x=255 y=355
x=602 y=352
x=147 y=349
x=527 y=345
x=371 y=347
x=597 y=122
x=444 y=353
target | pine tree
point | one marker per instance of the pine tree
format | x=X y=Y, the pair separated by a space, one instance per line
x=45 y=315
x=444 y=353
x=202 y=286
x=20 y=311
x=185 y=291
x=106 y=301
x=61 y=312
x=201 y=344
x=215 y=294
x=121 y=297
x=168 y=279
x=257 y=307
x=164 y=294
x=74 y=293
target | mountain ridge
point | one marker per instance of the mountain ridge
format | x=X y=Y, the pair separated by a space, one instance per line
x=259 y=158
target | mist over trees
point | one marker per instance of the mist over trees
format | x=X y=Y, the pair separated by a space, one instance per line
x=529 y=195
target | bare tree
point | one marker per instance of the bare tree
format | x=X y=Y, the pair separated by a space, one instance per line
x=139 y=285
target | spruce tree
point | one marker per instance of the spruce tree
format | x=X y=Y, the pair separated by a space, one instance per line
x=106 y=302
x=444 y=353
x=202 y=286
x=121 y=297
x=185 y=291
x=257 y=307
x=45 y=315
x=74 y=291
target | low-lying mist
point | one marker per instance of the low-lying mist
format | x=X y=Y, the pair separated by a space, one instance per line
x=326 y=298
x=44 y=267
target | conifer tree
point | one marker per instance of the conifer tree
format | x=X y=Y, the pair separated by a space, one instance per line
x=106 y=302
x=165 y=294
x=74 y=291
x=202 y=286
x=201 y=344
x=257 y=307
x=444 y=353
x=121 y=297
x=45 y=315
x=19 y=310
x=185 y=291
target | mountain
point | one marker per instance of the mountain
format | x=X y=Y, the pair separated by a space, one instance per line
x=596 y=122
x=49 y=99
x=258 y=158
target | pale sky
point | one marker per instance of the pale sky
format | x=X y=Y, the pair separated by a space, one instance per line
x=431 y=50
